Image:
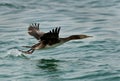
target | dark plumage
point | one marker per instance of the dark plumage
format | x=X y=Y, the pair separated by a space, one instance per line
x=50 y=38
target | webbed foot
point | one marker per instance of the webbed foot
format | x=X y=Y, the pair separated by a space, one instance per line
x=27 y=52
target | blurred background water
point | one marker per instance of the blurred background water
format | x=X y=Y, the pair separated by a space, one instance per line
x=92 y=59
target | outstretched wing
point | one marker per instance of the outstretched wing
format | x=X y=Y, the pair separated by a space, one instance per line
x=52 y=36
x=33 y=30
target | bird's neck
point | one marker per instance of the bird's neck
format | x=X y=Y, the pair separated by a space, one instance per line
x=72 y=37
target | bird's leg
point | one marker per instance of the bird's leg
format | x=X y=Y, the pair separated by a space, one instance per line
x=32 y=48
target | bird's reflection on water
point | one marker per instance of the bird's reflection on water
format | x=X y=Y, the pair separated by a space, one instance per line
x=50 y=68
x=48 y=64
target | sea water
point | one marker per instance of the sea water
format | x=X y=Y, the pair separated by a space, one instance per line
x=90 y=59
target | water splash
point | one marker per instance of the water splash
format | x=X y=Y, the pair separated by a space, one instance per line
x=14 y=53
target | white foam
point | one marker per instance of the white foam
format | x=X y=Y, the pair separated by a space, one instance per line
x=14 y=52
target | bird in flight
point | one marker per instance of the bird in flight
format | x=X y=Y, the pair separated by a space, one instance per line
x=49 y=39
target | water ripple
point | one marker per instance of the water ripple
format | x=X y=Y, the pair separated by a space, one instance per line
x=10 y=5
